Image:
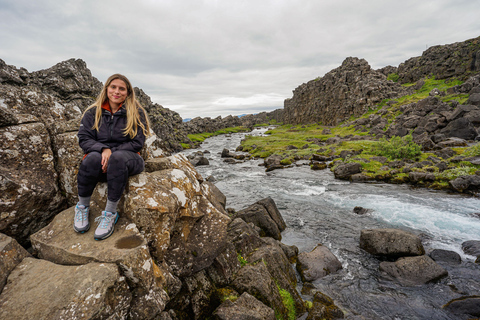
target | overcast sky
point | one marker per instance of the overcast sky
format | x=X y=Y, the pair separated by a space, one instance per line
x=211 y=58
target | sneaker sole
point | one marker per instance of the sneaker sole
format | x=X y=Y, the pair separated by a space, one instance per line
x=108 y=234
x=81 y=231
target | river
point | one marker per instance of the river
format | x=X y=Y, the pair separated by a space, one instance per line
x=317 y=208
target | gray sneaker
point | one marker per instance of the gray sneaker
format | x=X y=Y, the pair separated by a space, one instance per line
x=106 y=224
x=81 y=223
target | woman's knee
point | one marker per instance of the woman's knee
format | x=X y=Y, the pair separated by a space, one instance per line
x=92 y=159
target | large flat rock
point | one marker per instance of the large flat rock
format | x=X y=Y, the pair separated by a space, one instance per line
x=39 y=289
x=11 y=254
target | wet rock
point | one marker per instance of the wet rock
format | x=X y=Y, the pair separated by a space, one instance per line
x=264 y=214
x=360 y=177
x=360 y=210
x=414 y=270
x=416 y=177
x=273 y=162
x=226 y=154
x=344 y=171
x=445 y=256
x=466 y=183
x=391 y=243
x=318 y=166
x=321 y=158
x=246 y=307
x=90 y=291
x=11 y=254
x=324 y=308
x=467 y=307
x=317 y=263
x=472 y=247
x=199 y=159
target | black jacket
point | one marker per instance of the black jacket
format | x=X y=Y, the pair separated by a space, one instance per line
x=110 y=134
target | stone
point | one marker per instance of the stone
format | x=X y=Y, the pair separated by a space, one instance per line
x=273 y=162
x=414 y=270
x=39 y=289
x=317 y=263
x=126 y=247
x=471 y=247
x=246 y=307
x=467 y=306
x=264 y=214
x=318 y=166
x=360 y=210
x=466 y=183
x=324 y=308
x=460 y=128
x=445 y=153
x=391 y=243
x=445 y=256
x=11 y=254
x=257 y=281
x=28 y=180
x=344 y=171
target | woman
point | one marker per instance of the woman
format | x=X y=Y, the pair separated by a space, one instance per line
x=111 y=134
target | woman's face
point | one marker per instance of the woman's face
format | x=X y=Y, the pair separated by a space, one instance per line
x=117 y=92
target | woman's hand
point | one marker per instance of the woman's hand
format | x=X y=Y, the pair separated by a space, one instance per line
x=106 y=153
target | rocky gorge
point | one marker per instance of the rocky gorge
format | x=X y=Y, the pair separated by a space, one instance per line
x=179 y=252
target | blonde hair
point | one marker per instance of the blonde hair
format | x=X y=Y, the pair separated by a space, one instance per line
x=131 y=104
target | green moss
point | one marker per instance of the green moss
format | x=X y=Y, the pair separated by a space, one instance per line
x=288 y=302
x=185 y=145
x=472 y=151
x=393 y=77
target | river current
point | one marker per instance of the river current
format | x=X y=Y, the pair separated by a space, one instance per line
x=317 y=208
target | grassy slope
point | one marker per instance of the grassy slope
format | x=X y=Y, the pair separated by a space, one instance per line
x=308 y=139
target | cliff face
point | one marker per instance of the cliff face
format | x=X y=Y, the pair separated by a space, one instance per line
x=459 y=60
x=354 y=87
x=345 y=91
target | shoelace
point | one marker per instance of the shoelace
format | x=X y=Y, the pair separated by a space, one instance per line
x=103 y=221
x=81 y=214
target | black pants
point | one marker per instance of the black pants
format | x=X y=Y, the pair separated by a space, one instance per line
x=121 y=165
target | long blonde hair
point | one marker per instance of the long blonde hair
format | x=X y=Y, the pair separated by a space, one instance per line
x=131 y=104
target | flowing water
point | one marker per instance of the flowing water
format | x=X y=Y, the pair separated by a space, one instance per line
x=319 y=209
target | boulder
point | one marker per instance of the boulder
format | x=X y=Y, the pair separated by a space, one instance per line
x=445 y=153
x=472 y=247
x=318 y=166
x=414 y=270
x=451 y=143
x=39 y=289
x=460 y=128
x=324 y=308
x=416 y=177
x=445 y=256
x=30 y=195
x=391 y=243
x=361 y=210
x=465 y=183
x=257 y=281
x=11 y=254
x=345 y=171
x=273 y=162
x=246 y=307
x=226 y=154
x=127 y=248
x=466 y=307
x=265 y=215
x=317 y=263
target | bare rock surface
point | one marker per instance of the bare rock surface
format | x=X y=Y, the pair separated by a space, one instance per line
x=391 y=243
x=246 y=307
x=11 y=254
x=39 y=289
x=317 y=263
x=414 y=270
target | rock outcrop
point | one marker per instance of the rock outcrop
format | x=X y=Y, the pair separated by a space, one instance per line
x=346 y=91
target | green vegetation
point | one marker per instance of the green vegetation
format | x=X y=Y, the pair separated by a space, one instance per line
x=185 y=145
x=393 y=77
x=398 y=148
x=472 y=151
x=288 y=302
x=241 y=259
x=200 y=137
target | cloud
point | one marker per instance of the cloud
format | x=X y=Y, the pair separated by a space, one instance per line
x=210 y=58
